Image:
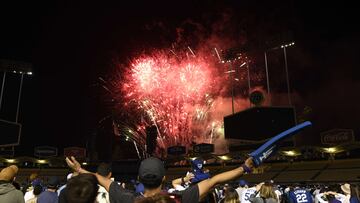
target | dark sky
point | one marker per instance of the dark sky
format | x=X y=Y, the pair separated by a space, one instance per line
x=71 y=44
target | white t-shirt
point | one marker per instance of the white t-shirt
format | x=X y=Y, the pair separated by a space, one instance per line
x=246 y=193
x=103 y=195
x=278 y=194
x=339 y=197
x=316 y=192
x=29 y=195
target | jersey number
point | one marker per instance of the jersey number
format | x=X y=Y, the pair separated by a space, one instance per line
x=300 y=198
x=247 y=196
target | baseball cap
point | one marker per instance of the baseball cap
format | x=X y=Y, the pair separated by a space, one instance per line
x=35 y=182
x=139 y=188
x=151 y=169
x=242 y=183
x=53 y=181
x=8 y=173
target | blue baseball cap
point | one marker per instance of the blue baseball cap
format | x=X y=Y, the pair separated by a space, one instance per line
x=242 y=183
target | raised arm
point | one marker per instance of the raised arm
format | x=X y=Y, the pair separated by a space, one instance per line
x=206 y=185
x=76 y=167
x=182 y=180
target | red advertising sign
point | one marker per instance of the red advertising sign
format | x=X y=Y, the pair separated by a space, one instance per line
x=77 y=152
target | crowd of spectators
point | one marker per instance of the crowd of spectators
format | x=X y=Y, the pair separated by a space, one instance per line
x=83 y=186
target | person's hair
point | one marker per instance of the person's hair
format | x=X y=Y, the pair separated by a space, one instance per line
x=104 y=169
x=37 y=189
x=267 y=191
x=82 y=189
x=33 y=176
x=231 y=196
x=158 y=198
x=16 y=185
x=150 y=181
x=354 y=191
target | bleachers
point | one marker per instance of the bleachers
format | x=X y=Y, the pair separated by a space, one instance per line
x=339 y=175
x=352 y=163
x=257 y=178
x=295 y=176
x=314 y=165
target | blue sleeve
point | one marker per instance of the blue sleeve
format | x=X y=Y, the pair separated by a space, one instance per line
x=310 y=199
x=292 y=198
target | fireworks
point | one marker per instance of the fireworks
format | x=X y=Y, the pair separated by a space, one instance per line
x=175 y=92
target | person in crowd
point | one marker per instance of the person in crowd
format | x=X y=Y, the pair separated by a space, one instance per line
x=316 y=192
x=331 y=196
x=243 y=185
x=30 y=191
x=231 y=196
x=354 y=193
x=345 y=188
x=50 y=194
x=82 y=189
x=249 y=192
x=300 y=195
x=29 y=184
x=8 y=193
x=152 y=175
x=266 y=194
x=36 y=191
x=158 y=198
x=104 y=170
x=182 y=183
x=64 y=186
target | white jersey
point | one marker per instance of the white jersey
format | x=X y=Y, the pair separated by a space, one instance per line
x=246 y=194
x=240 y=190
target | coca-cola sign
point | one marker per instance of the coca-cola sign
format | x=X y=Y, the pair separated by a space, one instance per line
x=337 y=136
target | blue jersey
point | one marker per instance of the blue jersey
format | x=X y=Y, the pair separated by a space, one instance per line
x=300 y=196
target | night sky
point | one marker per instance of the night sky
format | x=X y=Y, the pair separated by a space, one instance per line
x=71 y=44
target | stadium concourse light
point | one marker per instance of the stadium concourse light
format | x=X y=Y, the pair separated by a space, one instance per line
x=332 y=150
x=41 y=161
x=11 y=160
x=224 y=157
x=291 y=153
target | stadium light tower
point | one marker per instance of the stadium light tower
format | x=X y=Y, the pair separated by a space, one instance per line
x=12 y=128
x=283 y=46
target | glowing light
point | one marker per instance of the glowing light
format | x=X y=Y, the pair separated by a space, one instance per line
x=224 y=158
x=331 y=149
x=290 y=153
x=40 y=161
x=10 y=160
x=84 y=163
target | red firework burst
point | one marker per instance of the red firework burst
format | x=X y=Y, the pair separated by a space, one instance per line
x=175 y=94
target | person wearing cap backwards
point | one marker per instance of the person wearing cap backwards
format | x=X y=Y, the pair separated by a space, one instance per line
x=243 y=185
x=50 y=195
x=8 y=193
x=152 y=175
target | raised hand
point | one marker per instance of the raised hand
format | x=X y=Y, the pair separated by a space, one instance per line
x=249 y=162
x=73 y=163
x=188 y=177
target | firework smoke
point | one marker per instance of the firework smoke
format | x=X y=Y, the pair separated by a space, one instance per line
x=184 y=97
x=185 y=91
